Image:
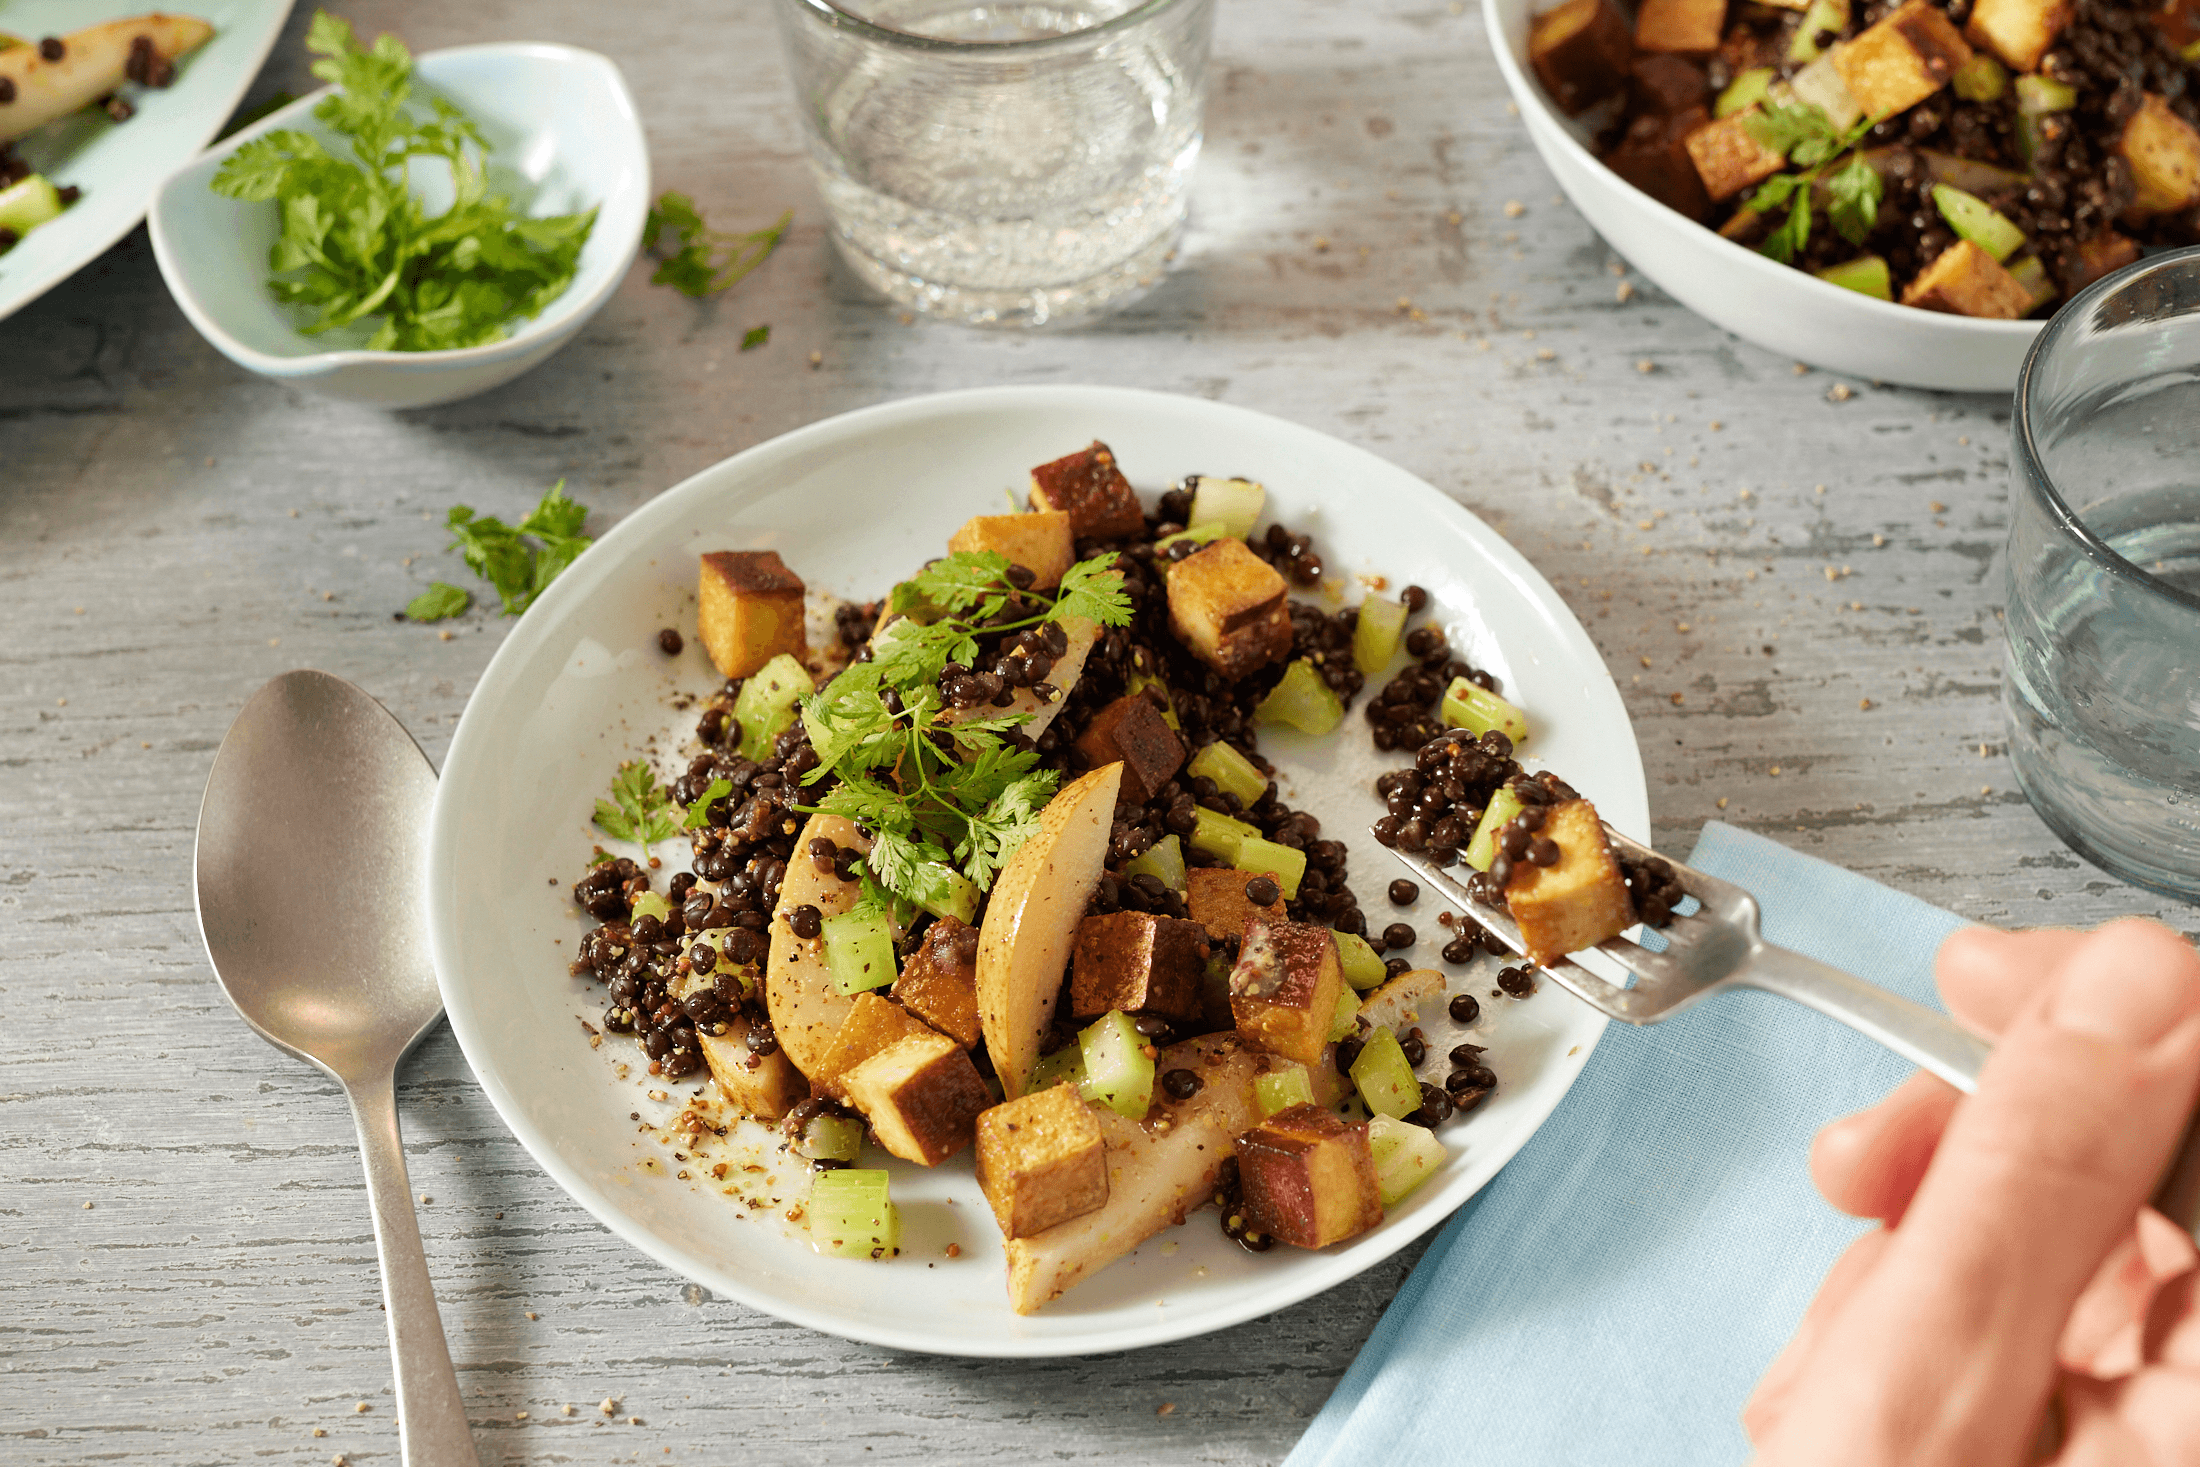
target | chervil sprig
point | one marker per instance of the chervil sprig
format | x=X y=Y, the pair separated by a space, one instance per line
x=640 y=809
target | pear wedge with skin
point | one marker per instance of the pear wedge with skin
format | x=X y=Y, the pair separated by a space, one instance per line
x=94 y=62
x=1031 y=923
x=806 y=1008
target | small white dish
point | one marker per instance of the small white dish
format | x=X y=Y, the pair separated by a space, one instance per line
x=118 y=165
x=1768 y=304
x=558 y=117
x=853 y=504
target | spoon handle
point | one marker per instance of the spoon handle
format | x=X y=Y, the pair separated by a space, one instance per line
x=431 y=1416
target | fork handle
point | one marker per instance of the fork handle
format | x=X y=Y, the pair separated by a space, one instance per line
x=1925 y=1037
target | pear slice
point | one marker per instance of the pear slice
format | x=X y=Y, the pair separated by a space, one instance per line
x=1082 y=633
x=1031 y=924
x=806 y=1008
x=94 y=62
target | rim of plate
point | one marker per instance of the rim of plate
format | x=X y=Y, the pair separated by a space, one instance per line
x=1316 y=1272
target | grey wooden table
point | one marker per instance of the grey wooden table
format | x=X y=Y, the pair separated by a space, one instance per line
x=1794 y=578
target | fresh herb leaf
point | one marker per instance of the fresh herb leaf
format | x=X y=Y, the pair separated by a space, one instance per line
x=438 y=602
x=356 y=245
x=1801 y=132
x=500 y=554
x=639 y=810
x=1791 y=235
x=1857 y=189
x=601 y=858
x=755 y=337
x=1093 y=589
x=705 y=261
x=698 y=813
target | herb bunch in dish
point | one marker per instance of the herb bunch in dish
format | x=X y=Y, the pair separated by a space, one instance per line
x=358 y=245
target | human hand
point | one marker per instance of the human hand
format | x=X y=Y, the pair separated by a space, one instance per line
x=2020 y=1303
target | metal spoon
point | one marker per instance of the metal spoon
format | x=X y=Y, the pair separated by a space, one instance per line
x=312 y=899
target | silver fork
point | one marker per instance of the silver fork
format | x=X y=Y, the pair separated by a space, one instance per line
x=1719 y=947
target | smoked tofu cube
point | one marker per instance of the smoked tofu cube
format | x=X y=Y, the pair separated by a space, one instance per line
x=1215 y=896
x=1728 y=159
x=2164 y=154
x=1139 y=963
x=1668 y=85
x=1227 y=605
x=1654 y=157
x=1581 y=899
x=2104 y=254
x=1309 y=1178
x=1042 y=543
x=1967 y=281
x=1905 y=58
x=1091 y=490
x=2017 y=31
x=1686 y=27
x=1131 y=732
x=939 y=981
x=1580 y=53
x=923 y=1097
x=1283 y=991
x=1042 y=1160
x=872 y=1025
x=748 y=610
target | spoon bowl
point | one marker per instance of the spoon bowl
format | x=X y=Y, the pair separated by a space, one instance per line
x=312 y=896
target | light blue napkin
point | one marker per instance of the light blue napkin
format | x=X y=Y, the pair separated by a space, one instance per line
x=1613 y=1296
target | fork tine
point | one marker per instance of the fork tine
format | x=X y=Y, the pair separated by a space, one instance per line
x=1700 y=885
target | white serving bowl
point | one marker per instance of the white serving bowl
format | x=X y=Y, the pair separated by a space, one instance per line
x=1781 y=309
x=558 y=118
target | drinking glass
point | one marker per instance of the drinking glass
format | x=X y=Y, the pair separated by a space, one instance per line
x=1018 y=162
x=2103 y=684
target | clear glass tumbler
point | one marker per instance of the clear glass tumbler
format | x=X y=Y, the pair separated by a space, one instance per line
x=1010 y=163
x=2103 y=684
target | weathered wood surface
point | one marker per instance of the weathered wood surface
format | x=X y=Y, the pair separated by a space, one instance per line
x=186 y=1273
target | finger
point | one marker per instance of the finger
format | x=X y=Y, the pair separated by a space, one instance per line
x=2104 y=1335
x=2173 y=1327
x=1793 y=1366
x=1986 y=975
x=2035 y=1180
x=2153 y=1418
x=1869 y=1164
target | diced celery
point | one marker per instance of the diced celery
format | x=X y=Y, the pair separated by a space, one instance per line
x=958 y=897
x=1348 y=1014
x=2190 y=53
x=1386 y=1082
x=1866 y=275
x=1302 y=700
x=1218 y=835
x=1065 y=1064
x=852 y=1216
x=1482 y=849
x=1118 y=1071
x=1972 y=218
x=1822 y=16
x=1232 y=772
x=26 y=205
x=831 y=1138
x=1259 y=856
x=2037 y=94
x=1163 y=860
x=1363 y=966
x=859 y=949
x=1282 y=1089
x=2031 y=273
x=1406 y=1155
x=1471 y=706
x=1233 y=503
x=1197 y=534
x=765 y=706
x=649 y=904
x=1981 y=79
x=1376 y=635
x=1744 y=92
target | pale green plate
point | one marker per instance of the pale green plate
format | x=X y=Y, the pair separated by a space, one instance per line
x=118 y=165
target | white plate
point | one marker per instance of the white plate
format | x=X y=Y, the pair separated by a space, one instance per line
x=854 y=503
x=118 y=165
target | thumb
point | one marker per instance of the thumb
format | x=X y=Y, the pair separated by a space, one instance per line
x=2040 y=1176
